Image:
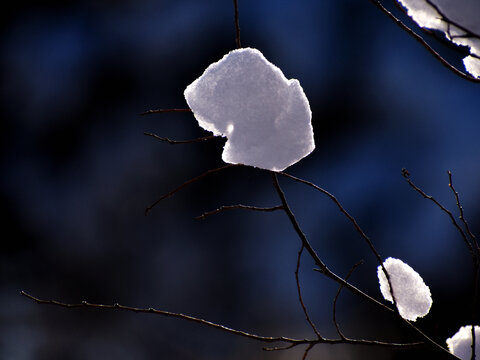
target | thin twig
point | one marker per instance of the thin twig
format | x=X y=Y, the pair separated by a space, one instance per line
x=323 y=268
x=339 y=332
x=307 y=350
x=85 y=304
x=237 y=25
x=424 y=43
x=267 y=339
x=406 y=175
x=462 y=216
x=474 y=344
x=299 y=291
x=188 y=182
x=238 y=206
x=161 y=111
x=355 y=224
x=175 y=142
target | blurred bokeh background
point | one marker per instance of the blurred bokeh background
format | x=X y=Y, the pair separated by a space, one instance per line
x=77 y=174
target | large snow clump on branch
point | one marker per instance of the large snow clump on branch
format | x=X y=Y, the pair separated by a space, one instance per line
x=457 y=19
x=412 y=296
x=265 y=116
x=460 y=344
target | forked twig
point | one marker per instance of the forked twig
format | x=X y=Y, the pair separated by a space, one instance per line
x=266 y=339
x=161 y=111
x=175 y=142
x=299 y=291
x=339 y=332
x=188 y=182
x=353 y=221
x=462 y=216
x=406 y=175
x=417 y=37
x=238 y=206
x=327 y=272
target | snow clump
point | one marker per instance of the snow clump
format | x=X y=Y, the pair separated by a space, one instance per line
x=265 y=116
x=412 y=296
x=460 y=344
x=458 y=20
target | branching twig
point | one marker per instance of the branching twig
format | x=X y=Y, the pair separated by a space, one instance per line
x=188 y=182
x=266 y=339
x=238 y=206
x=462 y=216
x=323 y=268
x=406 y=175
x=424 y=43
x=299 y=291
x=339 y=332
x=175 y=142
x=355 y=224
x=161 y=111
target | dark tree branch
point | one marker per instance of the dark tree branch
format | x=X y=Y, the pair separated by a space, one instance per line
x=237 y=25
x=323 y=268
x=339 y=332
x=355 y=224
x=188 y=182
x=238 y=206
x=175 y=142
x=266 y=339
x=299 y=291
x=406 y=175
x=424 y=43
x=161 y=111
x=462 y=216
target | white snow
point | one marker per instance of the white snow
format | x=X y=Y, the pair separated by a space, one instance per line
x=458 y=20
x=265 y=117
x=412 y=296
x=460 y=344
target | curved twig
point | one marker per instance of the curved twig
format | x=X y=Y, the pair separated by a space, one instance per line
x=406 y=175
x=339 y=332
x=175 y=142
x=266 y=339
x=424 y=43
x=188 y=182
x=299 y=291
x=161 y=111
x=238 y=206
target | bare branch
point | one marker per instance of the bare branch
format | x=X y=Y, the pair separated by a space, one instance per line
x=406 y=175
x=323 y=268
x=237 y=25
x=299 y=291
x=462 y=216
x=85 y=304
x=267 y=339
x=161 y=111
x=339 y=332
x=355 y=224
x=424 y=43
x=238 y=206
x=188 y=182
x=174 y=142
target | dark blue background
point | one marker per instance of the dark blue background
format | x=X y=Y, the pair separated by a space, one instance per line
x=77 y=174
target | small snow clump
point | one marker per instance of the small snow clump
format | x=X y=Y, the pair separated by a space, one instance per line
x=412 y=296
x=265 y=116
x=460 y=344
